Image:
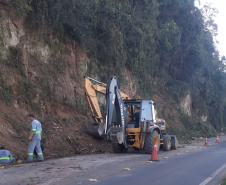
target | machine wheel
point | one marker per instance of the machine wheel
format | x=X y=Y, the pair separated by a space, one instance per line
x=174 y=142
x=166 y=146
x=119 y=148
x=150 y=140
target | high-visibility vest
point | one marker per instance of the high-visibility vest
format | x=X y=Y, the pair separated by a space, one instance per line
x=5 y=156
x=36 y=127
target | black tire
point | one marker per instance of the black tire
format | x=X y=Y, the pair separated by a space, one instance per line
x=166 y=146
x=119 y=148
x=149 y=142
x=174 y=142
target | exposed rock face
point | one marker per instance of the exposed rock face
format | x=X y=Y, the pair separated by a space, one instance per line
x=185 y=104
x=204 y=118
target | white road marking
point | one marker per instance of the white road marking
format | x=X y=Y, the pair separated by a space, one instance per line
x=206 y=181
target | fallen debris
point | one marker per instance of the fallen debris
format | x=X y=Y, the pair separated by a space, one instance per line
x=126 y=169
x=148 y=161
x=19 y=161
x=92 y=180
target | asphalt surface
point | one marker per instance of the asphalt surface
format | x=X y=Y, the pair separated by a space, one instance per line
x=189 y=165
x=202 y=167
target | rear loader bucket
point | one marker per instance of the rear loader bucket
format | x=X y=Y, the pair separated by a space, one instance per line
x=116 y=134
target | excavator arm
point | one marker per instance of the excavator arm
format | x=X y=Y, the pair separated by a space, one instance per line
x=114 y=103
x=91 y=96
x=92 y=87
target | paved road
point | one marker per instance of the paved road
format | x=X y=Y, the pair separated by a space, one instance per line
x=195 y=164
x=202 y=167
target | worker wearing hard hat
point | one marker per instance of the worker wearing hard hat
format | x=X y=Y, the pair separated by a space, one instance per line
x=35 y=139
x=5 y=156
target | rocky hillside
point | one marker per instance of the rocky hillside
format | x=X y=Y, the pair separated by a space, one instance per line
x=157 y=49
x=44 y=77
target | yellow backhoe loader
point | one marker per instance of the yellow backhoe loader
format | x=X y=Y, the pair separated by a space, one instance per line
x=129 y=122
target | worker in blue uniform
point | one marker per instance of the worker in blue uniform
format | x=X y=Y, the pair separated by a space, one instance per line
x=5 y=156
x=35 y=139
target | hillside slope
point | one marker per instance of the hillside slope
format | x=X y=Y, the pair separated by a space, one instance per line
x=157 y=49
x=47 y=81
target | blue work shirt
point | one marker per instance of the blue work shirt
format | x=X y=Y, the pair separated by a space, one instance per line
x=36 y=127
x=5 y=156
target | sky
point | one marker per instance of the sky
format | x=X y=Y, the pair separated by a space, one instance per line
x=220 y=21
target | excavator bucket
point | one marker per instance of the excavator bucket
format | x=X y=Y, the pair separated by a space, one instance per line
x=96 y=131
x=93 y=130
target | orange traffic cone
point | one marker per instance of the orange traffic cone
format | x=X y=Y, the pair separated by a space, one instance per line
x=154 y=154
x=217 y=140
x=206 y=144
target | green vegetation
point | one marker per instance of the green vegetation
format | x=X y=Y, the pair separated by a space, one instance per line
x=223 y=182
x=155 y=39
x=5 y=91
x=192 y=128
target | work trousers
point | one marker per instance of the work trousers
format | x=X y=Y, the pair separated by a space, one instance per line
x=35 y=145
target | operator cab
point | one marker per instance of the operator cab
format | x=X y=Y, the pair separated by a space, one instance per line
x=139 y=111
x=133 y=117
